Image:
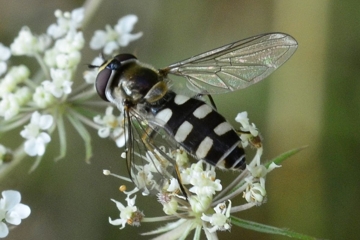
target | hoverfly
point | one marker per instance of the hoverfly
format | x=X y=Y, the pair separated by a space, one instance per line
x=155 y=115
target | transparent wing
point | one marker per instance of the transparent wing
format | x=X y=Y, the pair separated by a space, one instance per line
x=148 y=162
x=236 y=65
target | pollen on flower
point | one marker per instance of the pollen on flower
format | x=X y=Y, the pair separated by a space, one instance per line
x=136 y=219
x=163 y=197
x=129 y=214
x=122 y=188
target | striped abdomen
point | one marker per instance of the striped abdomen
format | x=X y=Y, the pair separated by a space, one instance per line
x=200 y=130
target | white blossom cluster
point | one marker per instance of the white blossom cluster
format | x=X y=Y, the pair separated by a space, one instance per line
x=206 y=204
x=23 y=97
x=40 y=101
x=46 y=97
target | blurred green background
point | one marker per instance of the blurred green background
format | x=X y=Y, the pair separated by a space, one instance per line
x=314 y=100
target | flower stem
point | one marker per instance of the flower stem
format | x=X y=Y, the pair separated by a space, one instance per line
x=91 y=7
x=19 y=155
x=43 y=66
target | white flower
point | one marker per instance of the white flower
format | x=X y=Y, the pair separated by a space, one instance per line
x=70 y=60
x=69 y=41
x=112 y=39
x=65 y=22
x=36 y=140
x=11 y=210
x=119 y=135
x=250 y=132
x=111 y=126
x=90 y=75
x=255 y=192
x=60 y=83
x=170 y=207
x=9 y=106
x=173 y=186
x=4 y=56
x=128 y=214
x=220 y=219
x=22 y=95
x=15 y=75
x=42 y=97
x=244 y=121
x=11 y=103
x=73 y=41
x=27 y=44
x=203 y=182
x=199 y=204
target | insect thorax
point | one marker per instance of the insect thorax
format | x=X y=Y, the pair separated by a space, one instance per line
x=135 y=83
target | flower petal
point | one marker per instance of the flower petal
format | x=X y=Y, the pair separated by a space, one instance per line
x=46 y=121
x=126 y=24
x=13 y=218
x=10 y=199
x=22 y=210
x=30 y=147
x=35 y=117
x=4 y=230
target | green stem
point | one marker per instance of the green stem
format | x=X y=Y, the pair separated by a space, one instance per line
x=6 y=168
x=83 y=133
x=43 y=67
x=62 y=137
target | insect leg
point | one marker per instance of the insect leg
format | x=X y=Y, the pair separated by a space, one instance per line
x=212 y=102
x=254 y=140
x=147 y=138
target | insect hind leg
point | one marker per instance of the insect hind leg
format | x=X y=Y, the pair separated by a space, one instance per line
x=212 y=102
x=148 y=140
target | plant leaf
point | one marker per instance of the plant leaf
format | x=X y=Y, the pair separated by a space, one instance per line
x=279 y=159
x=268 y=229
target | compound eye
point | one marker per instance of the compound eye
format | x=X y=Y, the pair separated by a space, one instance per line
x=124 y=57
x=106 y=69
x=101 y=82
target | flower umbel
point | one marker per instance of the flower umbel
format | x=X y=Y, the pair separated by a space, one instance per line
x=46 y=99
x=51 y=96
x=197 y=199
